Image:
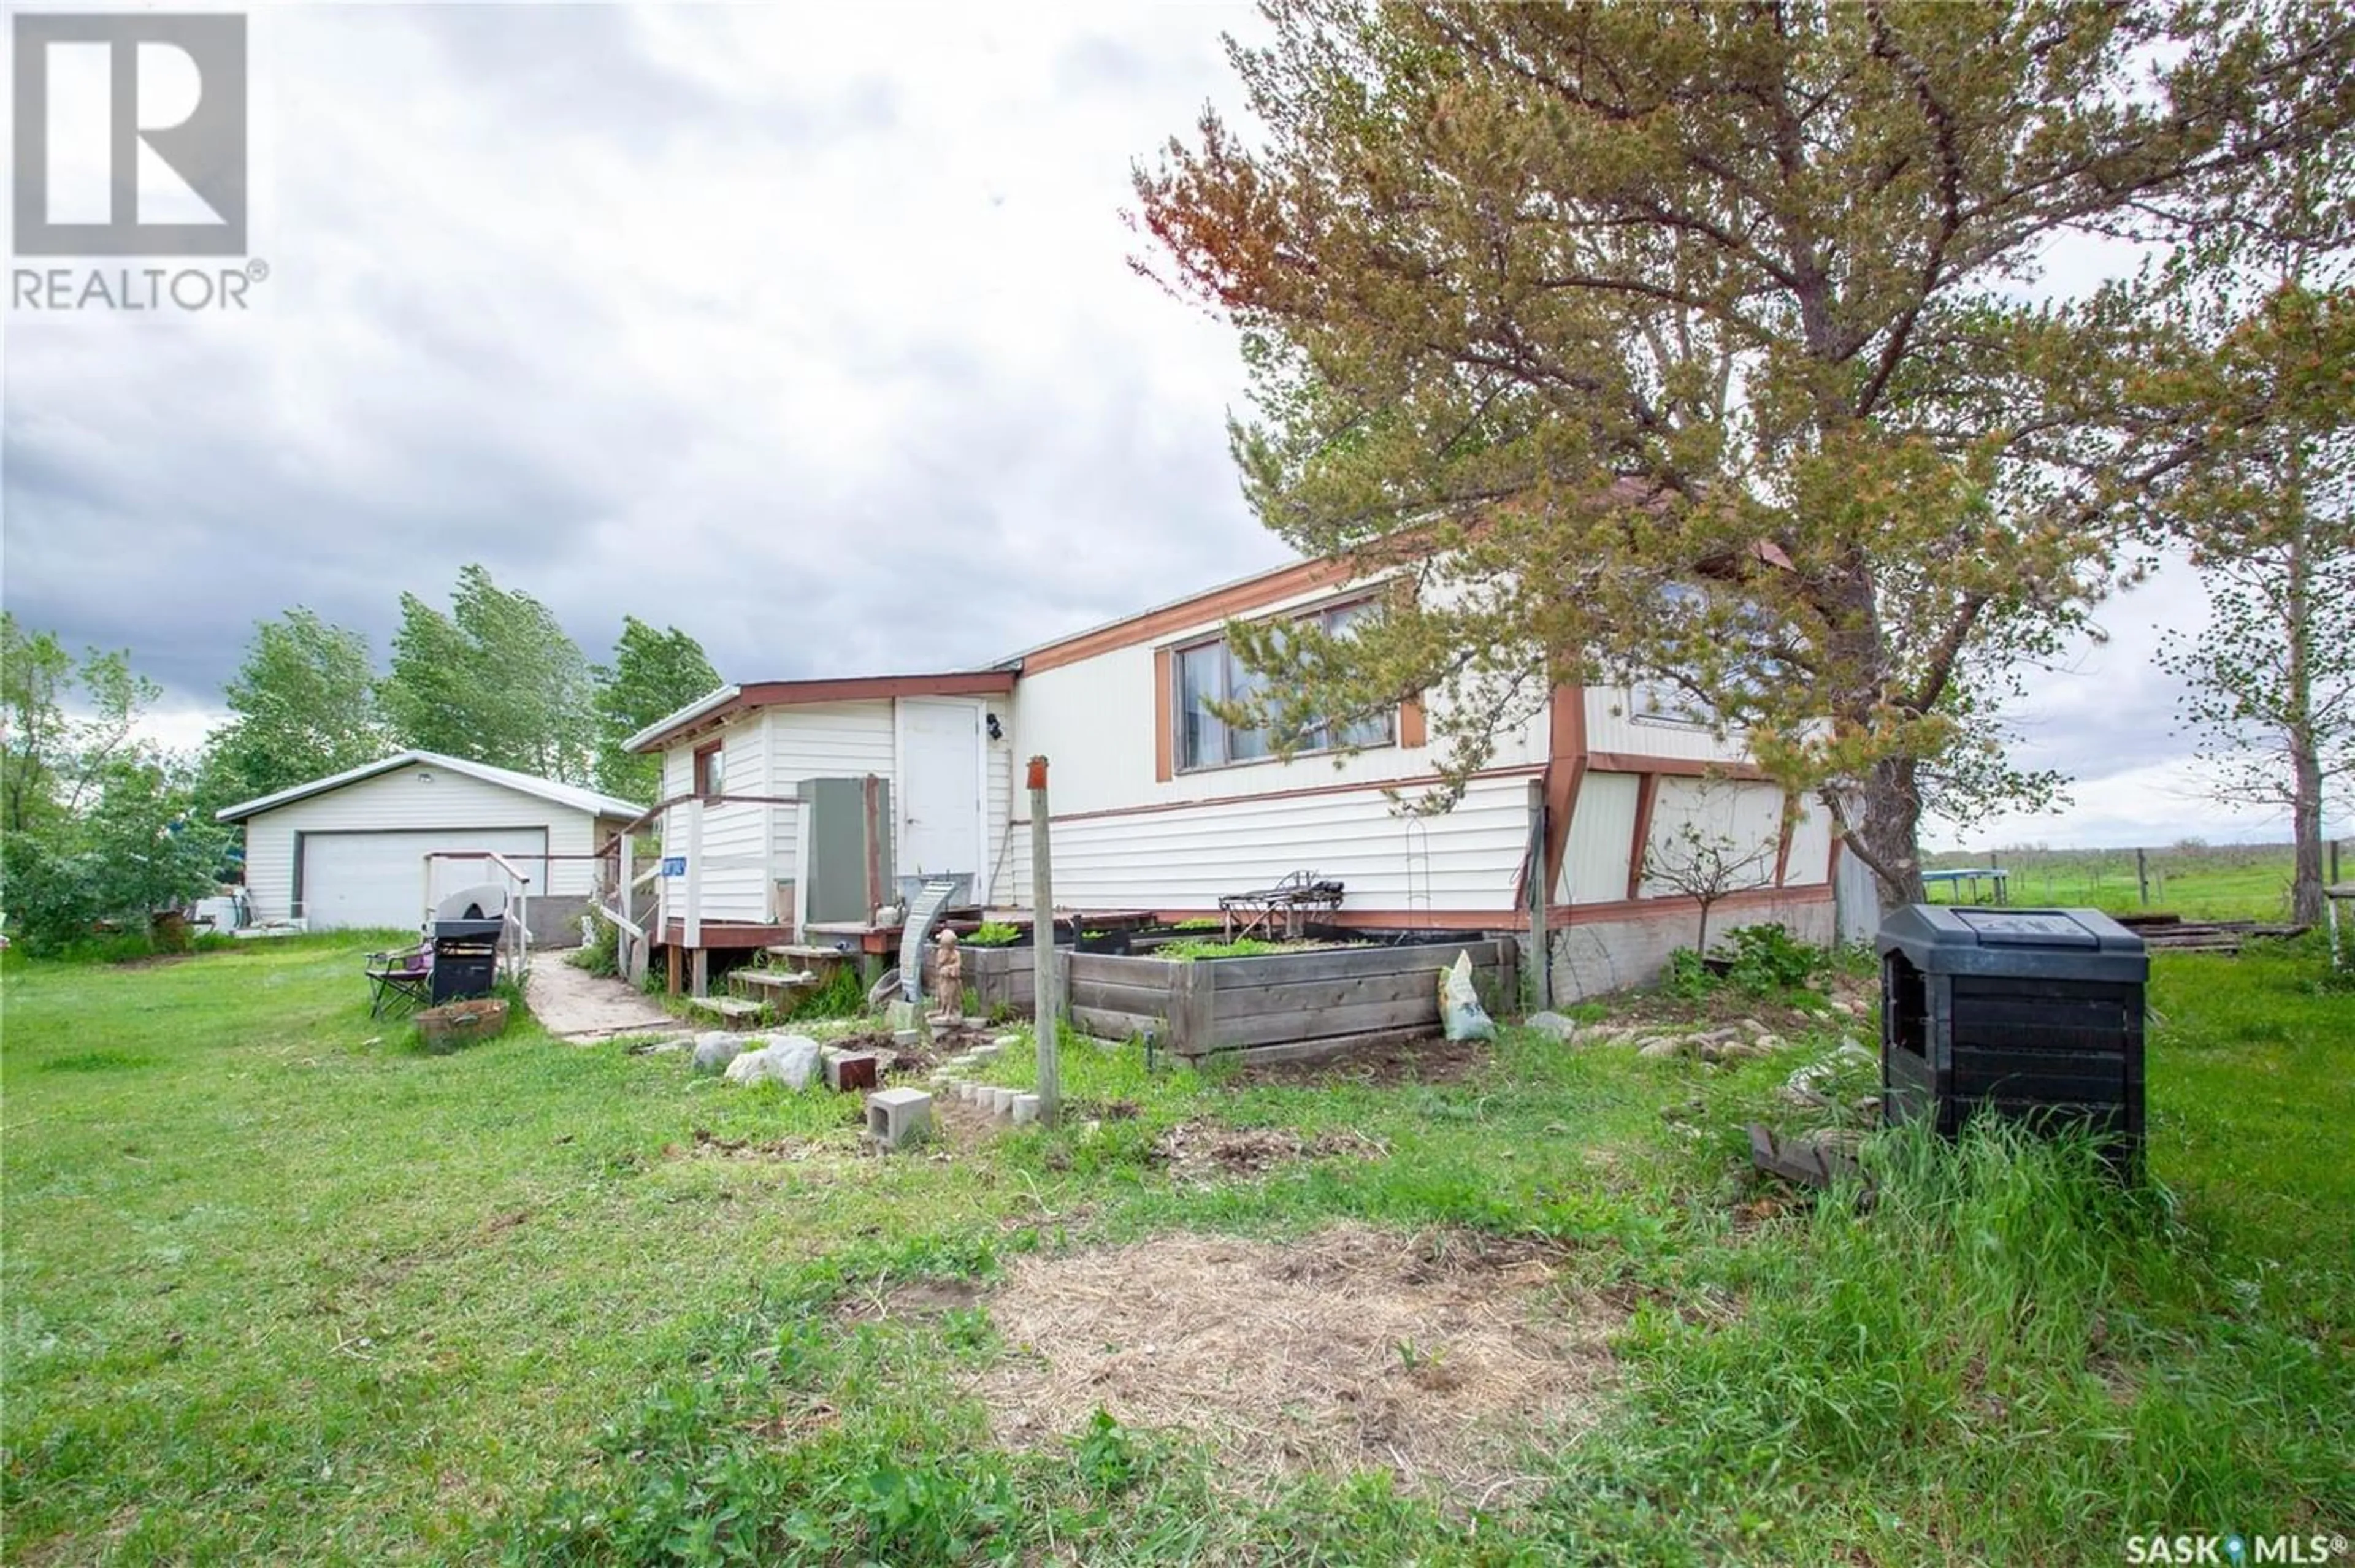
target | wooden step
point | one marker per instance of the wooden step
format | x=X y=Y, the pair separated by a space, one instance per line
x=772 y=979
x=728 y=1007
x=802 y=951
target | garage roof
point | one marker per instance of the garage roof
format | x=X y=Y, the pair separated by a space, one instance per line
x=572 y=796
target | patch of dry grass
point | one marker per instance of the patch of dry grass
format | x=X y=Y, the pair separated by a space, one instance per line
x=1435 y=1355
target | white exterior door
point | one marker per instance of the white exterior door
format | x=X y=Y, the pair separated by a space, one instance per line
x=379 y=880
x=940 y=786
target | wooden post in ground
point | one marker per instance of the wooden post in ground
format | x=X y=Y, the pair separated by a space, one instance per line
x=2142 y=876
x=1042 y=948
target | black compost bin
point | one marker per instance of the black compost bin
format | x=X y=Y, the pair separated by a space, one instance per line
x=2033 y=1014
x=466 y=958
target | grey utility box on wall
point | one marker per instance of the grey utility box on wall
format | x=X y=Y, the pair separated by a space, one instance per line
x=845 y=834
x=2033 y=1014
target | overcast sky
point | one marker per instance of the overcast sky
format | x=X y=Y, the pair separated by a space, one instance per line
x=807 y=330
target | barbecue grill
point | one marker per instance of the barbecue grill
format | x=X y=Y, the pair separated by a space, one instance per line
x=466 y=929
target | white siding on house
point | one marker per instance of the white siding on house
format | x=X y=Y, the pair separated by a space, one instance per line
x=747 y=849
x=1602 y=840
x=1742 y=819
x=736 y=838
x=997 y=810
x=1095 y=721
x=1184 y=858
x=1811 y=848
x=420 y=797
x=1612 y=726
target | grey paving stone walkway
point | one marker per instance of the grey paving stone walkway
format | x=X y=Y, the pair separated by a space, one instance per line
x=573 y=1003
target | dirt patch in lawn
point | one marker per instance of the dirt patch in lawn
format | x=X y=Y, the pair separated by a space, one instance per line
x=1433 y=1356
x=1205 y=1151
x=896 y=1060
x=1432 y=1061
x=918 y=1299
x=709 y=1144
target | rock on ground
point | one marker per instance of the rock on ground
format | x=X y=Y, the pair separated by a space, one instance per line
x=791 y=1060
x=714 y=1051
x=1555 y=1024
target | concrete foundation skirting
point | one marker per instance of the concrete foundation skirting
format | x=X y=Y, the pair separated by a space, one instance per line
x=1589 y=959
x=555 y=920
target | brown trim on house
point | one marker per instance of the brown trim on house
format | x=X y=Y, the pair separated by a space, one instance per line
x=1219 y=605
x=851 y=688
x=1164 y=719
x=1748 y=898
x=1648 y=796
x=727 y=935
x=1413 y=724
x=1422 y=781
x=1673 y=767
x=1516 y=922
x=1566 y=770
x=1504 y=920
x=698 y=776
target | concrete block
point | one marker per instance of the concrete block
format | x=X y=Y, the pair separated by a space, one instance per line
x=849 y=1070
x=907 y=1038
x=1026 y=1109
x=970 y=1092
x=897 y=1118
x=998 y=1100
x=1004 y=1040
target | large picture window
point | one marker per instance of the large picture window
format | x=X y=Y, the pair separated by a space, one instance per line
x=1210 y=672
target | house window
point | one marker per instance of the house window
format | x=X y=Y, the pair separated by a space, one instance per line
x=710 y=770
x=1658 y=701
x=1210 y=672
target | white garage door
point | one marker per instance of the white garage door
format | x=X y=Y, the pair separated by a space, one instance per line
x=378 y=879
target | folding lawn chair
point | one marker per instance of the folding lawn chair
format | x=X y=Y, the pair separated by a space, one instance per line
x=399 y=982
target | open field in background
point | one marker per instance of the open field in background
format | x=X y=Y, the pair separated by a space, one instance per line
x=2198 y=882
x=277 y=1290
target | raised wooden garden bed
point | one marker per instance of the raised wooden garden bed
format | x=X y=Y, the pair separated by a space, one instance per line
x=1000 y=977
x=1277 y=1006
x=447 y=1027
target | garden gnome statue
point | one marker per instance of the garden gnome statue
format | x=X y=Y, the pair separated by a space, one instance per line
x=948 y=979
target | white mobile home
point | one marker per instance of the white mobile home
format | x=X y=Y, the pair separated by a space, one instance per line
x=1160 y=807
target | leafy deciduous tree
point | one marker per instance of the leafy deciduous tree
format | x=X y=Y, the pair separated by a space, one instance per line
x=496 y=680
x=654 y=674
x=2269 y=518
x=303 y=704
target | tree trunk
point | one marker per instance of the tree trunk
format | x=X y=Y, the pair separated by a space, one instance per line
x=2306 y=761
x=1887 y=840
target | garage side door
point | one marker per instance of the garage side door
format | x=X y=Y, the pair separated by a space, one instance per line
x=378 y=879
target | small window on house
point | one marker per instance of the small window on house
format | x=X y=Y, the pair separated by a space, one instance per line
x=1661 y=701
x=1210 y=672
x=710 y=770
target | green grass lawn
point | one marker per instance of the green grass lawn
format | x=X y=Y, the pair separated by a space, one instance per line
x=2198 y=882
x=275 y=1287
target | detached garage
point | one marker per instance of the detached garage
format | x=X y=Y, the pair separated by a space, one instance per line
x=350 y=852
